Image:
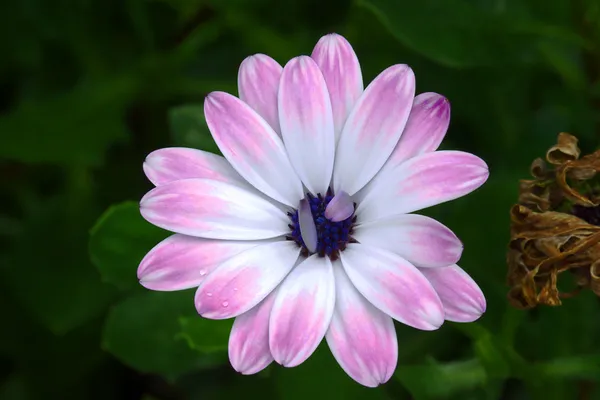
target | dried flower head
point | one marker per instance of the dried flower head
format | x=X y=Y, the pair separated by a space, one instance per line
x=556 y=227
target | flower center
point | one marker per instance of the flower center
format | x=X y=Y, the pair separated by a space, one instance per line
x=331 y=236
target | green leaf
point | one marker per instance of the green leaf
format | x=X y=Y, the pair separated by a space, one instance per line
x=435 y=380
x=320 y=377
x=205 y=335
x=462 y=33
x=49 y=272
x=75 y=128
x=189 y=128
x=118 y=242
x=142 y=331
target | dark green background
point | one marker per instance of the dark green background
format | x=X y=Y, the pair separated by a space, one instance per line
x=89 y=87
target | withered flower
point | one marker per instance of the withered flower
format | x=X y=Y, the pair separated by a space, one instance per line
x=555 y=227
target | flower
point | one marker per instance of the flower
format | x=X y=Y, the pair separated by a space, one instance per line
x=556 y=227
x=304 y=230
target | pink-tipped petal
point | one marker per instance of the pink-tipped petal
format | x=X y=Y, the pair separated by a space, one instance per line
x=183 y=262
x=258 y=82
x=252 y=147
x=175 y=163
x=394 y=286
x=307 y=122
x=426 y=127
x=373 y=128
x=422 y=182
x=213 y=210
x=249 y=351
x=245 y=280
x=463 y=300
x=421 y=240
x=302 y=311
x=341 y=207
x=308 y=229
x=341 y=69
x=361 y=338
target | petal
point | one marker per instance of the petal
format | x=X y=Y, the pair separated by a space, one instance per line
x=341 y=69
x=183 y=262
x=463 y=300
x=361 y=338
x=421 y=240
x=213 y=210
x=245 y=280
x=252 y=147
x=373 y=128
x=258 y=82
x=249 y=351
x=302 y=311
x=307 y=122
x=422 y=182
x=308 y=229
x=426 y=127
x=341 y=207
x=172 y=164
x=393 y=285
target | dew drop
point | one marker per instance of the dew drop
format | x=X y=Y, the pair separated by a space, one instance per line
x=202 y=272
x=235 y=289
x=209 y=294
x=225 y=304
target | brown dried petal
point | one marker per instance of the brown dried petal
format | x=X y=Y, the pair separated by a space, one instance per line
x=579 y=169
x=565 y=150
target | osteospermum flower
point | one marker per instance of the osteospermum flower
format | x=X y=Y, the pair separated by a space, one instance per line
x=304 y=229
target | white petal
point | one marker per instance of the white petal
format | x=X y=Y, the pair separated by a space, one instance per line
x=183 y=262
x=373 y=128
x=245 y=280
x=302 y=311
x=175 y=163
x=463 y=300
x=307 y=122
x=393 y=285
x=249 y=351
x=421 y=182
x=258 y=82
x=252 y=147
x=421 y=240
x=361 y=338
x=213 y=210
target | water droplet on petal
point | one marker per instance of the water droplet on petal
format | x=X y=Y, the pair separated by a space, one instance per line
x=202 y=272
x=209 y=294
x=235 y=289
x=225 y=304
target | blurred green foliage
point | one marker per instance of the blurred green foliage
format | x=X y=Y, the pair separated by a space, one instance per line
x=89 y=87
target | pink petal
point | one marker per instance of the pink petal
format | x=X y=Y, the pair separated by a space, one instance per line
x=422 y=182
x=341 y=207
x=463 y=300
x=302 y=311
x=245 y=280
x=307 y=122
x=341 y=69
x=426 y=127
x=393 y=285
x=252 y=147
x=183 y=262
x=422 y=241
x=213 y=210
x=373 y=128
x=361 y=338
x=249 y=351
x=258 y=82
x=172 y=164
